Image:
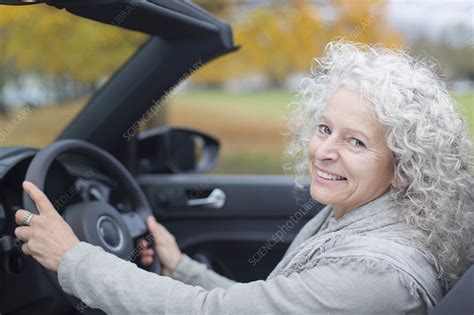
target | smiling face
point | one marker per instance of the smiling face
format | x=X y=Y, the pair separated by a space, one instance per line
x=348 y=144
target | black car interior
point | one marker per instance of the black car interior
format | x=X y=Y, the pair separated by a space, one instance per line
x=221 y=221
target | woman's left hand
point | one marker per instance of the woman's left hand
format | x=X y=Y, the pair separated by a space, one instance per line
x=47 y=237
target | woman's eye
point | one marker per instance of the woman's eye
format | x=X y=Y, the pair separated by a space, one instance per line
x=357 y=143
x=324 y=129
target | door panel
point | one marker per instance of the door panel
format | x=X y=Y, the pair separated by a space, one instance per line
x=246 y=237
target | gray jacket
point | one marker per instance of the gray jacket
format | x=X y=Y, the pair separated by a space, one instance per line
x=103 y=281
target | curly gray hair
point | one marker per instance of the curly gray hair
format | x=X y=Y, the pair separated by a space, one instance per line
x=428 y=138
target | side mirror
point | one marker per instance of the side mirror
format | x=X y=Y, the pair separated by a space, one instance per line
x=172 y=149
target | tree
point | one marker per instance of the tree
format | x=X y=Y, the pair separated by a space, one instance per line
x=276 y=41
x=363 y=21
x=43 y=40
x=8 y=22
x=281 y=39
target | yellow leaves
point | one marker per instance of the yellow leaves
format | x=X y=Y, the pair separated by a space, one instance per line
x=363 y=21
x=282 y=39
x=277 y=42
x=44 y=39
x=357 y=11
x=11 y=14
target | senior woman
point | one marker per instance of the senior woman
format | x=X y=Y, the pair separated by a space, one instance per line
x=386 y=151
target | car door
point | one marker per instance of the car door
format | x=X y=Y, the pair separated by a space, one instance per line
x=243 y=239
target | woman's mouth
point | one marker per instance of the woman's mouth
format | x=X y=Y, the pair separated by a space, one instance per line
x=324 y=178
x=328 y=176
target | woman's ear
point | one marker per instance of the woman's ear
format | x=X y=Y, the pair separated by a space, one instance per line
x=394 y=183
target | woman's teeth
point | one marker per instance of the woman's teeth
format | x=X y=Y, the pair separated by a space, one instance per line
x=328 y=176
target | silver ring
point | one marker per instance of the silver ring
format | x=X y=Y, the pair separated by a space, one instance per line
x=26 y=219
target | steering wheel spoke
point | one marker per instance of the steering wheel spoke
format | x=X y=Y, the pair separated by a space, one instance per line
x=135 y=224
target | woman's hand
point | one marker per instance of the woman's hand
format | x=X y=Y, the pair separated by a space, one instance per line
x=47 y=237
x=166 y=247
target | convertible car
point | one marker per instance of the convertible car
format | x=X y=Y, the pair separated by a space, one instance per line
x=106 y=177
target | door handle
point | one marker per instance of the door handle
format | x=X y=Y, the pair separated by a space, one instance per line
x=216 y=199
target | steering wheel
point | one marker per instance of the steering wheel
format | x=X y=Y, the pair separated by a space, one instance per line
x=96 y=222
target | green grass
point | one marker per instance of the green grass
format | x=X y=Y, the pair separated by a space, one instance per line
x=273 y=104
x=466 y=107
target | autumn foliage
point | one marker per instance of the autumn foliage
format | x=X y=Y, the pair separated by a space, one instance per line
x=282 y=38
x=42 y=39
x=277 y=40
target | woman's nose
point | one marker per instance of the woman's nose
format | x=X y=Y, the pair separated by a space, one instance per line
x=327 y=150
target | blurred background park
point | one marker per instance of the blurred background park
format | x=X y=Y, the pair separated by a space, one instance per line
x=51 y=62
